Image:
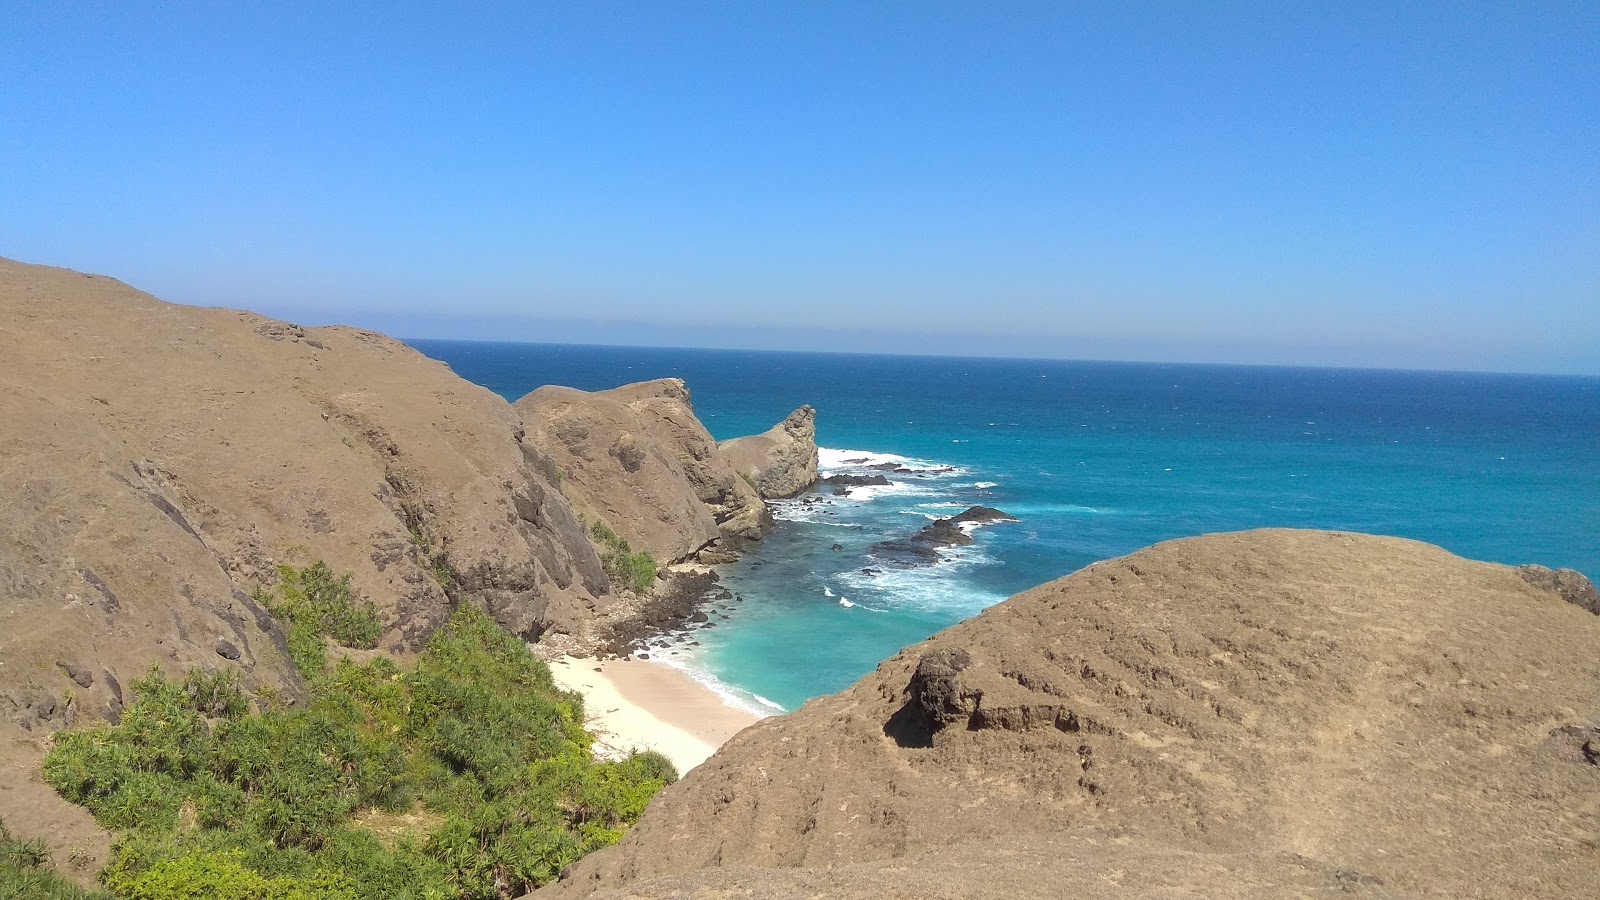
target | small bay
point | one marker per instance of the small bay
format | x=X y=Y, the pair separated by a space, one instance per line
x=1095 y=459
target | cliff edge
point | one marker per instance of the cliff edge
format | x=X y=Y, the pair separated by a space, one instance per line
x=157 y=461
x=637 y=459
x=1261 y=714
x=781 y=461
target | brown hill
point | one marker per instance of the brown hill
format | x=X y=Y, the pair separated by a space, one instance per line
x=1264 y=714
x=636 y=458
x=157 y=460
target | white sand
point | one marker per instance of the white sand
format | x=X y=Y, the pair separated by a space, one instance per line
x=645 y=705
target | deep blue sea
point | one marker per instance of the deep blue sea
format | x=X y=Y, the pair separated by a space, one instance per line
x=1097 y=460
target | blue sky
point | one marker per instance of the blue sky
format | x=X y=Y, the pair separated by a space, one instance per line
x=1412 y=185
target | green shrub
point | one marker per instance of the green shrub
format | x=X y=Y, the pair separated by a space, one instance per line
x=476 y=743
x=636 y=571
x=313 y=604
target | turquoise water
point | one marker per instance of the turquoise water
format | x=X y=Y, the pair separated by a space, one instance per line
x=1097 y=460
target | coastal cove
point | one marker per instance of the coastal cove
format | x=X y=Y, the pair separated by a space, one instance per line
x=1096 y=460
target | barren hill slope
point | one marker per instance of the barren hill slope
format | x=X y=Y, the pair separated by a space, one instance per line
x=156 y=460
x=636 y=458
x=1262 y=714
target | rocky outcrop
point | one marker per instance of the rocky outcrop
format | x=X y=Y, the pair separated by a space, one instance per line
x=637 y=459
x=1264 y=714
x=1570 y=585
x=922 y=548
x=782 y=461
x=157 y=460
x=857 y=480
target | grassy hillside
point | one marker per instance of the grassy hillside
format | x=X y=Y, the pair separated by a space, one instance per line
x=467 y=776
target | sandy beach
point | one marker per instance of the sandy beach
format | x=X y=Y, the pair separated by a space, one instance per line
x=639 y=704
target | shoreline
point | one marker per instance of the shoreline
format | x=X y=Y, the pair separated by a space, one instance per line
x=647 y=705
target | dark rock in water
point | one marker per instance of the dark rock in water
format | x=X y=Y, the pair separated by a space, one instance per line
x=983 y=515
x=869 y=570
x=227 y=650
x=699 y=616
x=644 y=656
x=922 y=548
x=855 y=462
x=857 y=480
x=838 y=547
x=841 y=492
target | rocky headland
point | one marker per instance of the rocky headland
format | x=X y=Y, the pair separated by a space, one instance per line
x=637 y=459
x=1263 y=714
x=782 y=461
x=161 y=461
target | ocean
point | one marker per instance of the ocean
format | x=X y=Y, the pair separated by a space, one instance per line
x=1095 y=459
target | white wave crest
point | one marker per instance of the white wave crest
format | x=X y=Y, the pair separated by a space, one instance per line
x=831 y=460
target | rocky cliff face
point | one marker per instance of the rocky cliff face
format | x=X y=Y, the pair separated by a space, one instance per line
x=157 y=460
x=1263 y=714
x=637 y=459
x=782 y=461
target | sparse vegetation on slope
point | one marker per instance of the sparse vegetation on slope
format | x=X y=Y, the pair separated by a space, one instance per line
x=636 y=571
x=25 y=872
x=469 y=776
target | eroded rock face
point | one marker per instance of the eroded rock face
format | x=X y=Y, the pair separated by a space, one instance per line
x=159 y=460
x=782 y=461
x=1263 y=714
x=637 y=459
x=1571 y=586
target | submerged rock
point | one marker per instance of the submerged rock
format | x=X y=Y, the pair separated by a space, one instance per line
x=923 y=547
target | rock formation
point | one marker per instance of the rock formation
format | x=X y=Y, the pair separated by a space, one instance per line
x=157 y=460
x=637 y=459
x=922 y=548
x=782 y=461
x=1263 y=714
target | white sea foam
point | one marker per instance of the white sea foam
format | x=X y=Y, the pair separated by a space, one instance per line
x=831 y=460
x=745 y=701
x=845 y=602
x=985 y=485
x=827 y=591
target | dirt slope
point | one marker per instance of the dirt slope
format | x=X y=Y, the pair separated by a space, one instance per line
x=1262 y=714
x=157 y=460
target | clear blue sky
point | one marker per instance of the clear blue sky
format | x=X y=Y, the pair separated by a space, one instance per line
x=1396 y=184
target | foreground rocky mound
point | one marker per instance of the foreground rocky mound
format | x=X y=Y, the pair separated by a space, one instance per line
x=782 y=461
x=1263 y=714
x=157 y=461
x=637 y=459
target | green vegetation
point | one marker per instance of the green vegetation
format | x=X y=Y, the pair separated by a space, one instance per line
x=25 y=872
x=313 y=604
x=624 y=567
x=469 y=776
